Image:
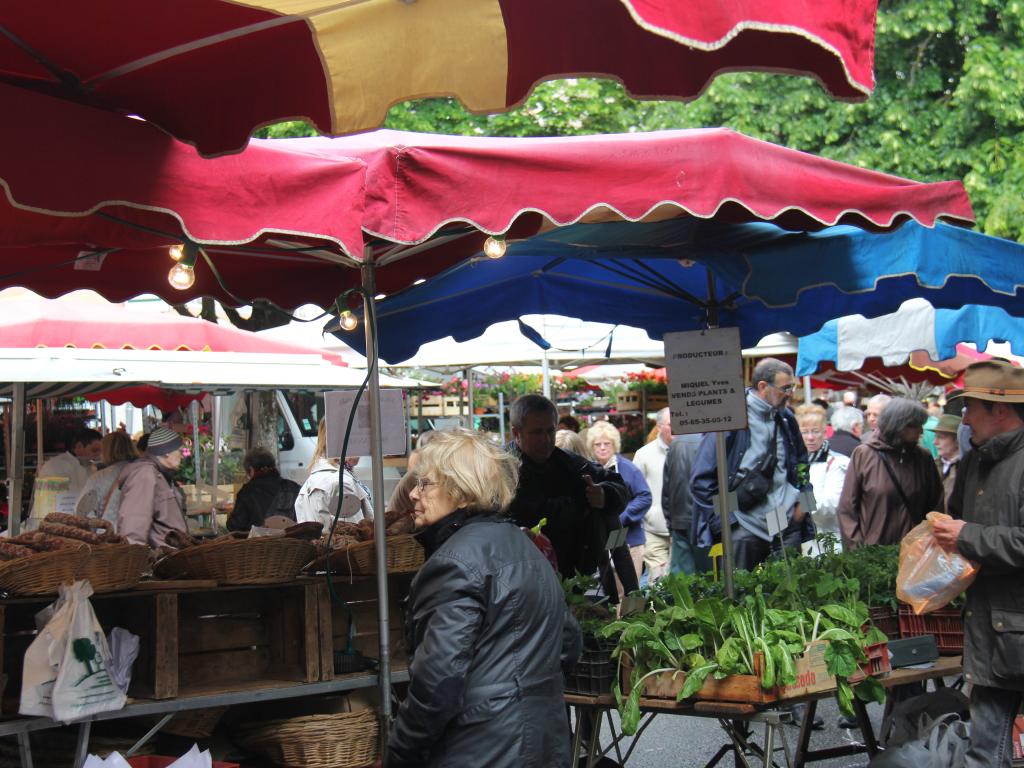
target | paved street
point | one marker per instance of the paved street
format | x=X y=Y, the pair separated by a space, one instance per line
x=688 y=742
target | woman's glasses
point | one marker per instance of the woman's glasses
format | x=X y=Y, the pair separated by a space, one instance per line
x=422 y=482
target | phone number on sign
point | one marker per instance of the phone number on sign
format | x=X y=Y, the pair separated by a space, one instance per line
x=702 y=420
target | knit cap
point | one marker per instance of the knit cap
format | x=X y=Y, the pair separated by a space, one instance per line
x=163 y=441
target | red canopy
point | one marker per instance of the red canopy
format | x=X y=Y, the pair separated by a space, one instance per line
x=421 y=186
x=137 y=174
x=38 y=322
x=211 y=71
x=418 y=183
x=142 y=395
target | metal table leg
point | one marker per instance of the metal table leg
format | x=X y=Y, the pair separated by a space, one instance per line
x=24 y=750
x=82 y=749
x=149 y=735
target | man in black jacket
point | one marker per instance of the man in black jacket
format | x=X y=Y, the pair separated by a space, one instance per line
x=677 y=502
x=579 y=500
x=847 y=422
x=988 y=529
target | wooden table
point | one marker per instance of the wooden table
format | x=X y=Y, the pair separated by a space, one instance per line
x=735 y=718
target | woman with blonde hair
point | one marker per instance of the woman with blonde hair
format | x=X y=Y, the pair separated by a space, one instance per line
x=318 y=500
x=488 y=623
x=570 y=441
x=116 y=451
x=826 y=472
x=604 y=443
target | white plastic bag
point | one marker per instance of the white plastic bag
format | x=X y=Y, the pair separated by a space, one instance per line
x=929 y=577
x=66 y=668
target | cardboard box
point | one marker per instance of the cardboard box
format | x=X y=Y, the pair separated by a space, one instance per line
x=811 y=674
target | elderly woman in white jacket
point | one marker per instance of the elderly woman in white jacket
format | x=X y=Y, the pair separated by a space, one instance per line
x=318 y=498
x=827 y=472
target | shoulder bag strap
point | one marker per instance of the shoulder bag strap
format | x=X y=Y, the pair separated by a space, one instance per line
x=895 y=482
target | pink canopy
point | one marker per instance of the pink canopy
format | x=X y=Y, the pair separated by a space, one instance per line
x=38 y=322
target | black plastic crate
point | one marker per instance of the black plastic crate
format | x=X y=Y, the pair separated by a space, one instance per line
x=593 y=673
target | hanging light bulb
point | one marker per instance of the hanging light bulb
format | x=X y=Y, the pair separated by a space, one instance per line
x=494 y=247
x=176 y=251
x=348 y=321
x=182 y=277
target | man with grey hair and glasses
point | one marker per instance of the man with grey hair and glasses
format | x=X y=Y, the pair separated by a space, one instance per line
x=763 y=461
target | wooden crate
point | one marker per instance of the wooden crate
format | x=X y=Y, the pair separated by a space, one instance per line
x=636 y=400
x=194 y=641
x=361 y=597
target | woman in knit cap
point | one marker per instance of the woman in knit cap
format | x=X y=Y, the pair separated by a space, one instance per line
x=151 y=504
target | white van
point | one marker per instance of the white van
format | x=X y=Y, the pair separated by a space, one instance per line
x=298 y=418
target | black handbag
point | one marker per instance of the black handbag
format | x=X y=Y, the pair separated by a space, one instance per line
x=752 y=484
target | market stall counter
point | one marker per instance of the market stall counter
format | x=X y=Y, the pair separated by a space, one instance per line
x=735 y=717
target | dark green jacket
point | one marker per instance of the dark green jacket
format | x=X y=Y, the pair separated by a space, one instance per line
x=989 y=496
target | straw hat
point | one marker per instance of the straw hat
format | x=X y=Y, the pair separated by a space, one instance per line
x=995 y=380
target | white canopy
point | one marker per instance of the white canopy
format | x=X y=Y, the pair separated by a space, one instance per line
x=53 y=372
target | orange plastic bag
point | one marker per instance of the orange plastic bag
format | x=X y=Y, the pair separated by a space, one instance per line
x=930 y=577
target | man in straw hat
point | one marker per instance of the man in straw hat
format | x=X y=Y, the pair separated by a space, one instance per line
x=988 y=501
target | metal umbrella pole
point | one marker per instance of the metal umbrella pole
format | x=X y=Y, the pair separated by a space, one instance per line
x=721 y=460
x=16 y=472
x=377 y=459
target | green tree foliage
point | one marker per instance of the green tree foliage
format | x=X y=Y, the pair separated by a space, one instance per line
x=949 y=104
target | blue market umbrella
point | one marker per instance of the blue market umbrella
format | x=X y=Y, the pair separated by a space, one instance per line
x=674 y=275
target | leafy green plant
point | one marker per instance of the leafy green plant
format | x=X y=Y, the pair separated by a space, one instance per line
x=691 y=628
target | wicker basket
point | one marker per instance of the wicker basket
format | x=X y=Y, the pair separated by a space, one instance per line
x=190 y=562
x=195 y=723
x=111 y=567
x=263 y=560
x=346 y=740
x=42 y=573
x=403 y=555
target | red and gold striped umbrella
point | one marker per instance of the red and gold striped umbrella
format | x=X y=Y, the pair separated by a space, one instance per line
x=212 y=71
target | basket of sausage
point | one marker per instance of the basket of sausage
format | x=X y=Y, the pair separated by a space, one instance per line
x=261 y=560
x=183 y=556
x=351 y=551
x=37 y=563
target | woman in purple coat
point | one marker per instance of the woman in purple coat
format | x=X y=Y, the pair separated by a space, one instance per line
x=604 y=444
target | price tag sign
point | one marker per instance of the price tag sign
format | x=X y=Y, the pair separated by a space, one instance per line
x=777 y=521
x=632 y=605
x=730 y=500
x=705 y=381
x=807 y=501
x=616 y=539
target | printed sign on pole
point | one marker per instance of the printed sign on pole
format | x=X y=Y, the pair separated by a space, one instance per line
x=705 y=381
x=392 y=418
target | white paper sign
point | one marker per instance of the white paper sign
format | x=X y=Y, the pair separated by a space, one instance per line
x=392 y=418
x=66 y=503
x=705 y=381
x=777 y=521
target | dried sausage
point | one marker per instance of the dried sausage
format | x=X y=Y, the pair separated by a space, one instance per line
x=70 y=532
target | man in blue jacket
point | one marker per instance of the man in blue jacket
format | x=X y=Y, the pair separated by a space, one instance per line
x=770 y=446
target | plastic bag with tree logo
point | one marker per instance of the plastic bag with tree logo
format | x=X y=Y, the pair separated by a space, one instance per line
x=67 y=666
x=929 y=577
